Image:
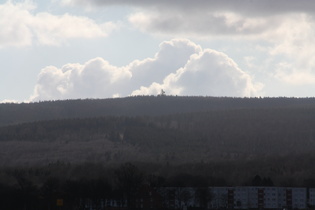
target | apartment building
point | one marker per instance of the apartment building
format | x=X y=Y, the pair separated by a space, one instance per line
x=260 y=198
x=311 y=200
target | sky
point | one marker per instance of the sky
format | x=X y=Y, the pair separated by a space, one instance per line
x=70 y=49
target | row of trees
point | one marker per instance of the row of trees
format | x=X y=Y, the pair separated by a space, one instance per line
x=47 y=188
x=78 y=185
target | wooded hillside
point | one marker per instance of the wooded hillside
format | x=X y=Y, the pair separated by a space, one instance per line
x=137 y=106
x=229 y=138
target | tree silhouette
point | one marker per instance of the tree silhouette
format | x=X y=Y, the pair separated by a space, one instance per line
x=128 y=180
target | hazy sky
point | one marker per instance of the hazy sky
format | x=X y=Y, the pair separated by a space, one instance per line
x=62 y=49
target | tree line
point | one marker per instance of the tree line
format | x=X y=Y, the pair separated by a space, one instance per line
x=11 y=113
x=90 y=183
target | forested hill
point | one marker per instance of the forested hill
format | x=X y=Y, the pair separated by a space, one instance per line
x=223 y=134
x=136 y=106
x=229 y=138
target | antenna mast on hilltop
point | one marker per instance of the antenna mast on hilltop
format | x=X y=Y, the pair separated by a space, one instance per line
x=162 y=93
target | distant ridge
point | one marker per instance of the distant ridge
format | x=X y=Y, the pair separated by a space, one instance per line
x=137 y=106
x=233 y=138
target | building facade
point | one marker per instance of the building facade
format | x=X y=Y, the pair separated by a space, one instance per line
x=261 y=198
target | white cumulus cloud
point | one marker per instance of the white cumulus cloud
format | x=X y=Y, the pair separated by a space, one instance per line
x=209 y=73
x=94 y=79
x=180 y=67
x=21 y=26
x=172 y=55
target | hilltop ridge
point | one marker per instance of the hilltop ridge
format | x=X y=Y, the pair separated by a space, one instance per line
x=225 y=138
x=11 y=113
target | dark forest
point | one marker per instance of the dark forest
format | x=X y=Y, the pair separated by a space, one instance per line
x=76 y=147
